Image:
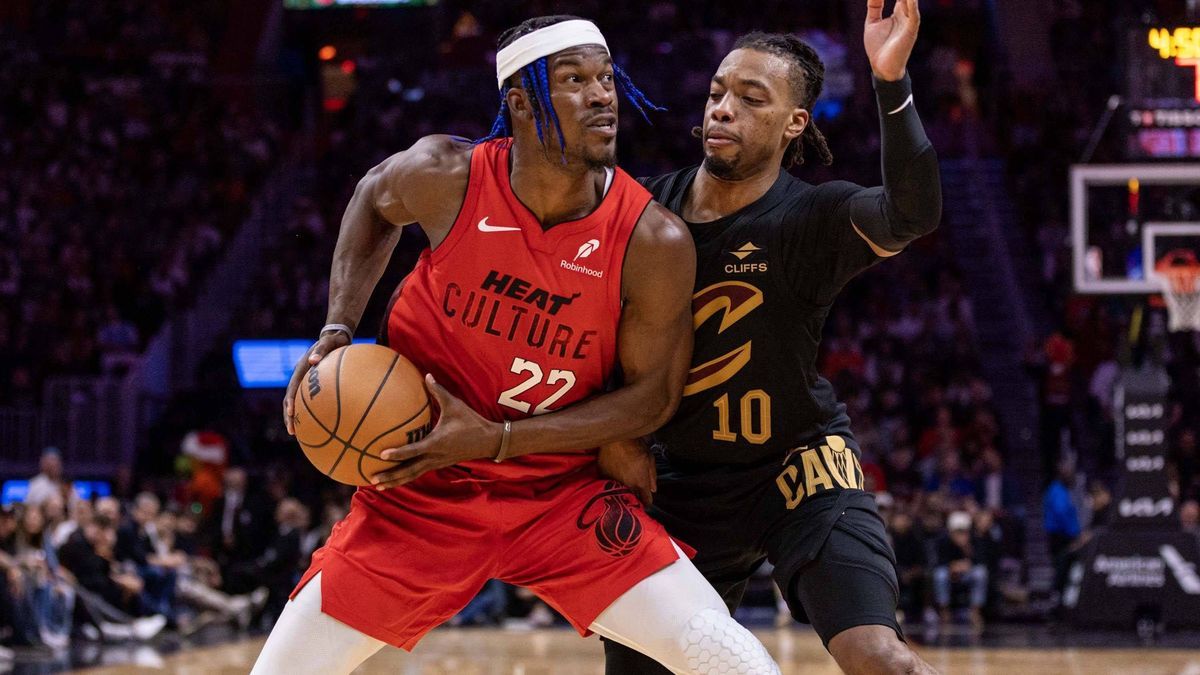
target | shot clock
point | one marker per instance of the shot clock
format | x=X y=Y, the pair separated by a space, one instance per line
x=1162 y=83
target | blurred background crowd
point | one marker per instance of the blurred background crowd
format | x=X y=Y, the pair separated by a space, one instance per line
x=132 y=150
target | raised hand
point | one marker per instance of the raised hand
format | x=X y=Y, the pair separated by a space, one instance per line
x=889 y=41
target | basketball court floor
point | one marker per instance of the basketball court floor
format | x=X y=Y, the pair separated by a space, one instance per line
x=451 y=651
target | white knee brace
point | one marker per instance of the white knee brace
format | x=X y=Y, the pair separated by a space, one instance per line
x=714 y=644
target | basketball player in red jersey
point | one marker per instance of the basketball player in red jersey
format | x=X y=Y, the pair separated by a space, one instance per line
x=547 y=269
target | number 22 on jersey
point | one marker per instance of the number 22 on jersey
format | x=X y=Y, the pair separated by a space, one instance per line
x=520 y=366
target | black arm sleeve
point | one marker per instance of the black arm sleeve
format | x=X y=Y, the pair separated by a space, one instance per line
x=909 y=205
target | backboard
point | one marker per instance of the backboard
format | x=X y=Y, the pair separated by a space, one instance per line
x=1125 y=217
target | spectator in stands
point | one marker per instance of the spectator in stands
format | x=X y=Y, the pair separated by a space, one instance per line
x=911 y=563
x=943 y=436
x=987 y=538
x=80 y=514
x=54 y=511
x=110 y=508
x=111 y=598
x=137 y=543
x=46 y=599
x=1054 y=364
x=903 y=477
x=1185 y=463
x=950 y=476
x=1189 y=518
x=198 y=579
x=8 y=530
x=8 y=613
x=118 y=342
x=88 y=555
x=278 y=566
x=238 y=530
x=1061 y=519
x=992 y=492
x=1099 y=501
x=959 y=566
x=49 y=482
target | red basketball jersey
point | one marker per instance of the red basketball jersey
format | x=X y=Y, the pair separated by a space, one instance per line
x=513 y=319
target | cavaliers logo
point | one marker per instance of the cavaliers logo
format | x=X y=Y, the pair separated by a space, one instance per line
x=610 y=514
x=732 y=300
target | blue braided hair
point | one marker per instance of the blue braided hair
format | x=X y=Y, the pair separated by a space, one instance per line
x=635 y=95
x=535 y=80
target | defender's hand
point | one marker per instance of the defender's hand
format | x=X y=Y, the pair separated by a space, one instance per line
x=631 y=463
x=325 y=344
x=461 y=435
x=889 y=42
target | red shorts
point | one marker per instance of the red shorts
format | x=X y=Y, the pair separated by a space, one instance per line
x=406 y=559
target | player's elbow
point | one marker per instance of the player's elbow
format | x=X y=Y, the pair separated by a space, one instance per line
x=660 y=407
x=914 y=219
x=926 y=221
x=666 y=412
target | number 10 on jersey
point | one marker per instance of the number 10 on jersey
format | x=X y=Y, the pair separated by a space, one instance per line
x=755 y=414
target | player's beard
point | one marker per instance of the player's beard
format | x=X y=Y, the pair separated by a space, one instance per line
x=596 y=160
x=725 y=169
x=592 y=159
x=717 y=167
x=747 y=161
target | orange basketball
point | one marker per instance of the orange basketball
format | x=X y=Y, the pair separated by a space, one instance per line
x=357 y=402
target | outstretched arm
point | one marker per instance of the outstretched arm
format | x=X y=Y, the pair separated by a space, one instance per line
x=909 y=204
x=849 y=228
x=654 y=347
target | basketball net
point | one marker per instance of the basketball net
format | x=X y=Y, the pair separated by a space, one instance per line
x=1179 y=274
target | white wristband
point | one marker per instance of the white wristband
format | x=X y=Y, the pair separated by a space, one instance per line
x=338 y=328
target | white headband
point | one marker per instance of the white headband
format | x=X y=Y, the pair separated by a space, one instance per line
x=544 y=42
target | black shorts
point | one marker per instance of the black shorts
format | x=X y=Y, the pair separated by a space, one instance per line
x=829 y=546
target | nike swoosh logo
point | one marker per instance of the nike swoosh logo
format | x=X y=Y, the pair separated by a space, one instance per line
x=907 y=102
x=484 y=227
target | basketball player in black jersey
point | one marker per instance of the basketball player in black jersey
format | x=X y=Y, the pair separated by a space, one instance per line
x=759 y=462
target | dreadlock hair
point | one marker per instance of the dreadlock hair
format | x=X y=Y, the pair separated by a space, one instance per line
x=535 y=80
x=806 y=78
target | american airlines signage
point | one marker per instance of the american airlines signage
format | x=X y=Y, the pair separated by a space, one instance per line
x=1139 y=571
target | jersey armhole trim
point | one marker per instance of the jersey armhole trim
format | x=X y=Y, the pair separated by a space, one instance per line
x=875 y=248
x=470 y=198
x=384 y=338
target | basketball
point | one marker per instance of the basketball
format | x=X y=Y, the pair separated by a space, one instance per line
x=357 y=402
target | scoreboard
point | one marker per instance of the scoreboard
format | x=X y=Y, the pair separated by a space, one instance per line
x=1163 y=92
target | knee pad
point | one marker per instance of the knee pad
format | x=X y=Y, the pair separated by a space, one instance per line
x=713 y=643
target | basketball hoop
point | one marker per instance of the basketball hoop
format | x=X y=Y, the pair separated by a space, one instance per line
x=1179 y=274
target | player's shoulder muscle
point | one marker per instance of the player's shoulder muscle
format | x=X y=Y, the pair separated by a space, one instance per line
x=421 y=181
x=661 y=232
x=660 y=247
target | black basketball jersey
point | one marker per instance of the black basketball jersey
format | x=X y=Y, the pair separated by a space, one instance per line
x=766 y=277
